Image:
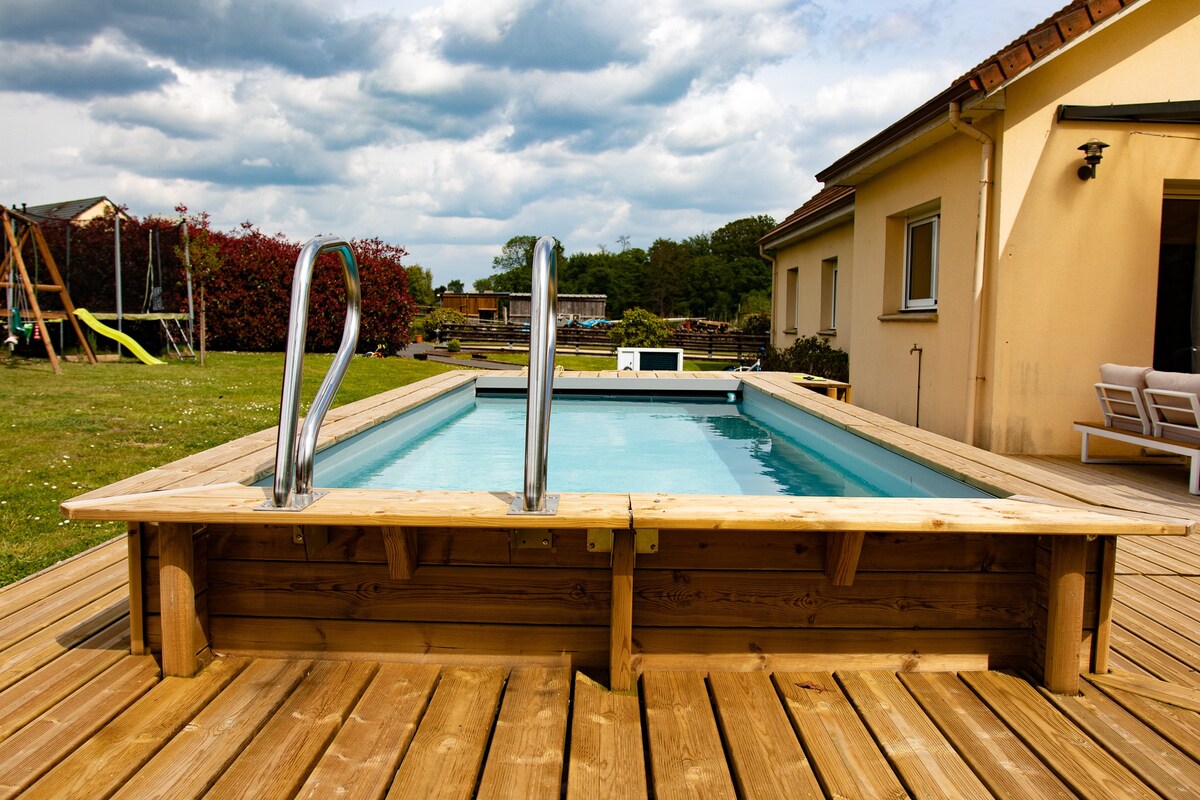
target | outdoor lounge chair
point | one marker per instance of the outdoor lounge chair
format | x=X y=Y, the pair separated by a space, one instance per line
x=1154 y=410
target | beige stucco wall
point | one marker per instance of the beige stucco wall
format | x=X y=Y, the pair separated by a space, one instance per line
x=1075 y=263
x=806 y=256
x=883 y=368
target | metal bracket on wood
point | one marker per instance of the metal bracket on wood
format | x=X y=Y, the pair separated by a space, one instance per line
x=645 y=540
x=599 y=540
x=313 y=537
x=531 y=539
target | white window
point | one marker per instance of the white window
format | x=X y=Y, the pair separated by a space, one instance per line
x=829 y=294
x=792 y=308
x=921 y=263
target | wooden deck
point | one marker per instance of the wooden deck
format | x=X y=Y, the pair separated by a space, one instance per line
x=81 y=717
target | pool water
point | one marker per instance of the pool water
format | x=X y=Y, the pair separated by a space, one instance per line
x=679 y=445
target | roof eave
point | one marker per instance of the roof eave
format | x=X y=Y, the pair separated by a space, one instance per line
x=835 y=214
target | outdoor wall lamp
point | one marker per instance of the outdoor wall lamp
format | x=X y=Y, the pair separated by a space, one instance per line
x=1093 y=151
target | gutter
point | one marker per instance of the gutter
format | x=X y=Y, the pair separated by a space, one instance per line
x=975 y=342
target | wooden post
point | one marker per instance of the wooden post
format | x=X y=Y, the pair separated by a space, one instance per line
x=1104 y=615
x=400 y=544
x=1064 y=624
x=137 y=605
x=842 y=549
x=620 y=652
x=177 y=576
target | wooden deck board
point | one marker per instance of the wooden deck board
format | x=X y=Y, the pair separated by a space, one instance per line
x=607 y=758
x=1081 y=762
x=1152 y=758
x=686 y=756
x=363 y=757
x=528 y=749
x=446 y=755
x=844 y=755
x=277 y=762
x=926 y=762
x=766 y=758
x=188 y=765
x=110 y=758
x=52 y=736
x=996 y=754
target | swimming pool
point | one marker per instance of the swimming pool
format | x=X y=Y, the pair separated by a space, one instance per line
x=681 y=442
x=621 y=581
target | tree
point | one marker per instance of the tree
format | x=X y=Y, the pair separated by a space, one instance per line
x=455 y=286
x=666 y=275
x=513 y=268
x=739 y=239
x=201 y=251
x=420 y=285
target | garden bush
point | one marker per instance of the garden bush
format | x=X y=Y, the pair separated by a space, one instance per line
x=810 y=354
x=439 y=318
x=639 y=328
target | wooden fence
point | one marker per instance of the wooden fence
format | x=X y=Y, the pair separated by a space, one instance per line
x=516 y=337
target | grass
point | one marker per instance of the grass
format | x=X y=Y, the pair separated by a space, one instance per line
x=67 y=434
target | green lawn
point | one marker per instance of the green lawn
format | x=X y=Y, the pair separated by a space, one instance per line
x=93 y=425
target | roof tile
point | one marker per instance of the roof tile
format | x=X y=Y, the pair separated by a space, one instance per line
x=1015 y=59
x=1044 y=40
x=1073 y=23
x=1099 y=9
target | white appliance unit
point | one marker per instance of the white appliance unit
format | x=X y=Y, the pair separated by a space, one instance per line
x=650 y=358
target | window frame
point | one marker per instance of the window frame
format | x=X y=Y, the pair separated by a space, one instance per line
x=930 y=303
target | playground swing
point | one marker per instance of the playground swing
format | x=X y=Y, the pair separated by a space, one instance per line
x=14 y=276
x=152 y=300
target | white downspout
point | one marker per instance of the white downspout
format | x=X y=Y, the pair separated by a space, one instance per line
x=975 y=342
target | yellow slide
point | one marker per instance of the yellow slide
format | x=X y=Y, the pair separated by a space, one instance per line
x=112 y=333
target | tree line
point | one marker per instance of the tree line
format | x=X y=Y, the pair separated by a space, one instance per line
x=720 y=276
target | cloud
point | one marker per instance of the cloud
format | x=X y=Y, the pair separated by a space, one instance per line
x=100 y=69
x=299 y=36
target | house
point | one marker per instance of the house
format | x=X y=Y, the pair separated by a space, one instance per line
x=76 y=210
x=979 y=258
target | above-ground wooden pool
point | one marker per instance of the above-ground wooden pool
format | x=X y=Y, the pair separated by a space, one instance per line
x=621 y=582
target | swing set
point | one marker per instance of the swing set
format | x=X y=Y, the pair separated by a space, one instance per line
x=25 y=317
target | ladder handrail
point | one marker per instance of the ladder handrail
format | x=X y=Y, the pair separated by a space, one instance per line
x=543 y=325
x=294 y=454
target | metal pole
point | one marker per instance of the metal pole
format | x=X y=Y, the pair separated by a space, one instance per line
x=543 y=321
x=117 y=268
x=187 y=266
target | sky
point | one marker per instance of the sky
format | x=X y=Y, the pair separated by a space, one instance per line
x=449 y=127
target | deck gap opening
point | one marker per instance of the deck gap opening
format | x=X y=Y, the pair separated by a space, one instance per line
x=491 y=736
x=647 y=753
x=726 y=748
x=565 y=767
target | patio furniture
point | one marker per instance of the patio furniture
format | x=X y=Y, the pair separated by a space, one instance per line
x=1148 y=408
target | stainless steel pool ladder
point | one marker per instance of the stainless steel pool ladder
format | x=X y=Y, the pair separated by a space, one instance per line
x=543 y=322
x=294 y=454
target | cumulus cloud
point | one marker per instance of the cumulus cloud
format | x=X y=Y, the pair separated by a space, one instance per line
x=448 y=126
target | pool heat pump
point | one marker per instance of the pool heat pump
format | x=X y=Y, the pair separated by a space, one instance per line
x=650 y=358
